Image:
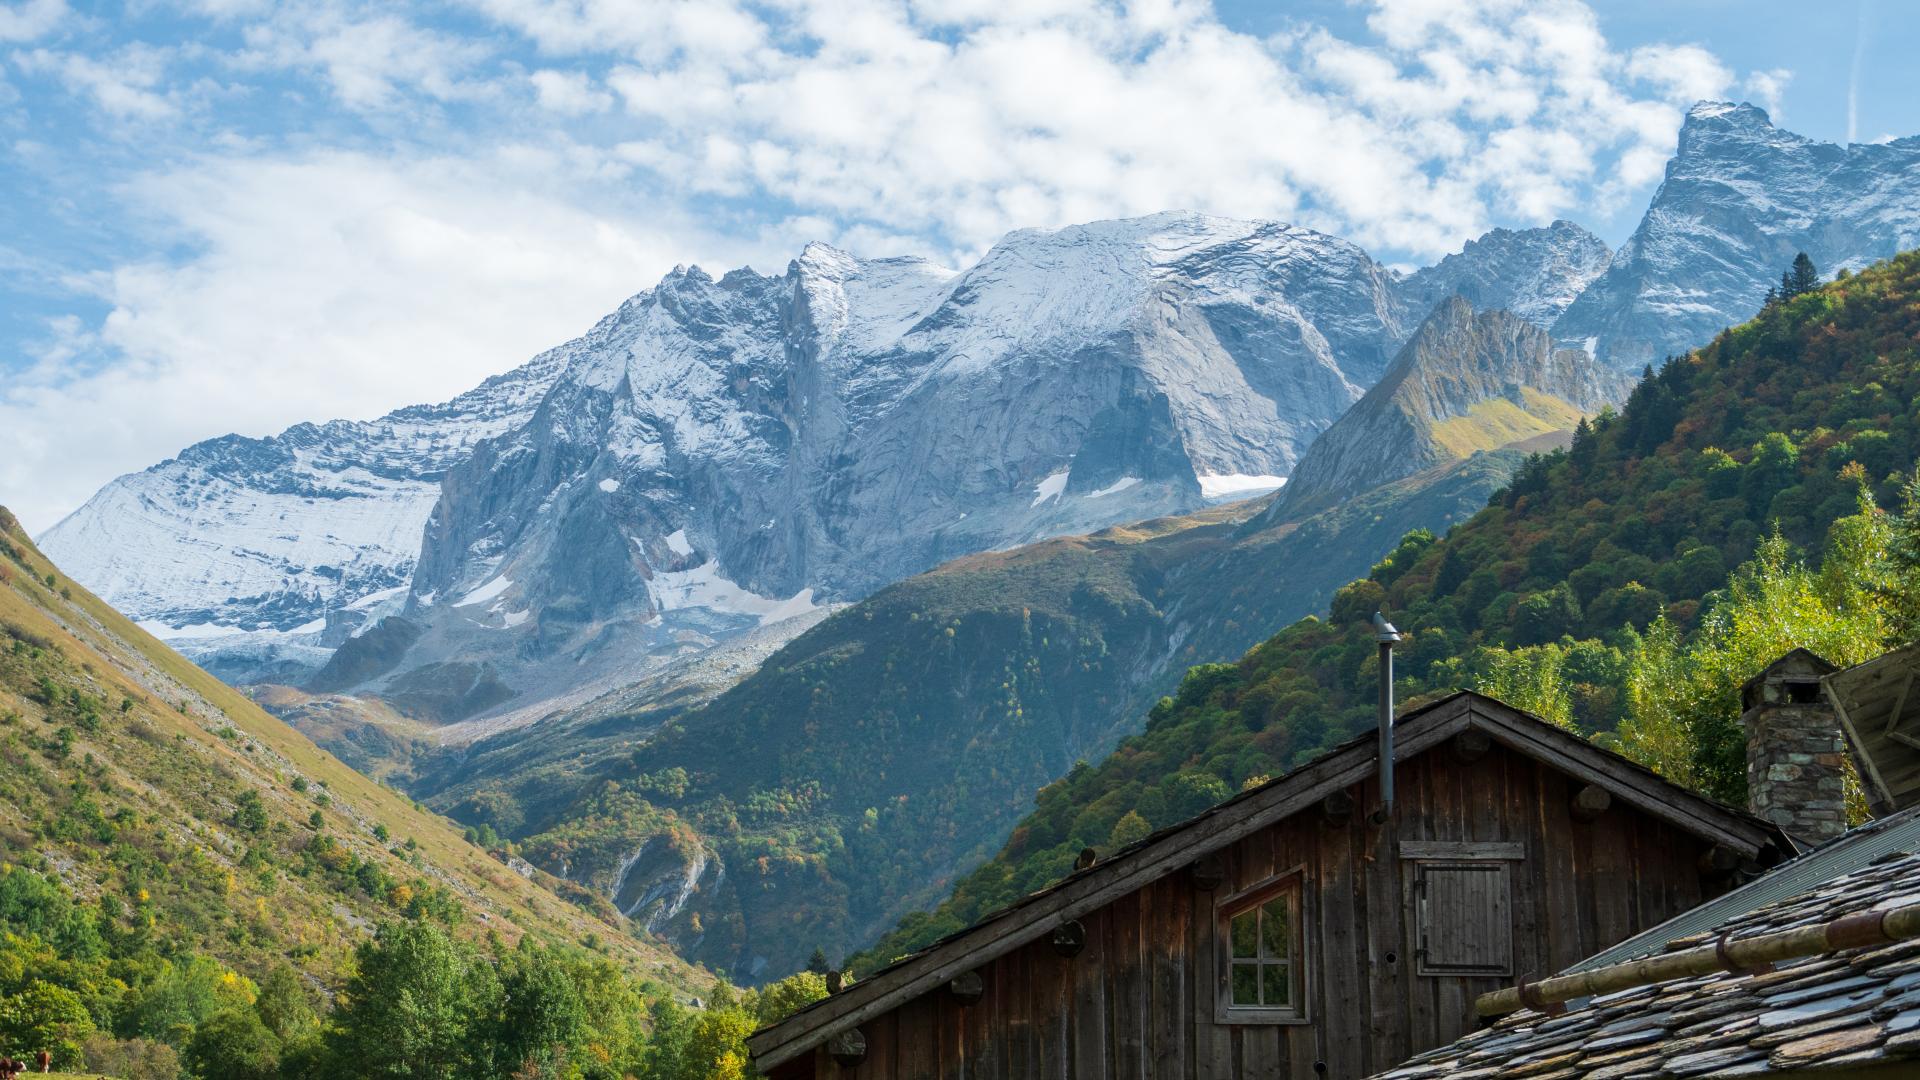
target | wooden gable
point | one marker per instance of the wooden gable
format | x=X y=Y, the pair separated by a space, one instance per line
x=1879 y=706
x=1514 y=847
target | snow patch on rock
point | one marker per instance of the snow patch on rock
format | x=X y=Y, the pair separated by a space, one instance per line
x=1114 y=488
x=1050 y=488
x=485 y=592
x=1238 y=485
x=705 y=587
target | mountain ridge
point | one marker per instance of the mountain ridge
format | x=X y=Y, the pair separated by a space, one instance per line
x=858 y=338
x=1739 y=199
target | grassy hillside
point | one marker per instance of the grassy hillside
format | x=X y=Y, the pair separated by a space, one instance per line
x=136 y=772
x=168 y=852
x=1597 y=587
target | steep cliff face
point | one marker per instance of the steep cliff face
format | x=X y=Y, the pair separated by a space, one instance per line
x=838 y=426
x=1740 y=199
x=1466 y=382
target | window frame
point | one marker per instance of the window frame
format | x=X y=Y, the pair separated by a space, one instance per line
x=1290 y=883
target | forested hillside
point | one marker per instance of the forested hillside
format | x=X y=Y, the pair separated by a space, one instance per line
x=1751 y=496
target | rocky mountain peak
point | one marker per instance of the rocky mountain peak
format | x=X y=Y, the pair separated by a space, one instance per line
x=1741 y=198
x=1533 y=273
x=1467 y=381
x=717 y=453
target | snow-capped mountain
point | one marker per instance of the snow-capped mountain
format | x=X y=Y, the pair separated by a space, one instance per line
x=272 y=534
x=719 y=454
x=1740 y=199
x=724 y=453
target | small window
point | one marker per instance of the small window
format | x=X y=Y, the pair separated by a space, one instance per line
x=1260 y=959
x=1803 y=693
x=1465 y=918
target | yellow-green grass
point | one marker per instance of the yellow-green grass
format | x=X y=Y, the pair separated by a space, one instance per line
x=1500 y=422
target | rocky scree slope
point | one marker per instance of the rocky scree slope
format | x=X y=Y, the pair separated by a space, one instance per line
x=874 y=757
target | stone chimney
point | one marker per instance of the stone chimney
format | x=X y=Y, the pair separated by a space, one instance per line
x=1795 y=749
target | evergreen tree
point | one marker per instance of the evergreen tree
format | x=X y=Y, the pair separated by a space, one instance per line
x=1583 y=450
x=1803 y=276
x=817 y=963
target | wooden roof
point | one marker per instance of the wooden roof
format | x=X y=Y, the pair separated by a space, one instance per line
x=1850 y=1012
x=1178 y=846
x=1879 y=706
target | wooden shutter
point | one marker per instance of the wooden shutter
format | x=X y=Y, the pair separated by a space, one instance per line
x=1465 y=918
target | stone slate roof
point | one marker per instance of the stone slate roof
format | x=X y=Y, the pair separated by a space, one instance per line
x=1853 y=1010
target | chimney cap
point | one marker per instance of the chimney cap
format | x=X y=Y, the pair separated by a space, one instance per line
x=1796 y=667
x=1813 y=661
x=1383 y=630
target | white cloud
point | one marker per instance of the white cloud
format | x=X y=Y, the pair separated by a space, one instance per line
x=569 y=93
x=1766 y=88
x=645 y=31
x=1682 y=72
x=453 y=242
x=125 y=85
x=327 y=285
x=368 y=59
x=31 y=20
x=956 y=122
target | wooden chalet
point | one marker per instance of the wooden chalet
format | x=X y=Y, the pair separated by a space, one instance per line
x=1300 y=928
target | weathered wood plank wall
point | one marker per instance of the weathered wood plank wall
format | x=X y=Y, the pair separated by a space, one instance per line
x=1138 y=1002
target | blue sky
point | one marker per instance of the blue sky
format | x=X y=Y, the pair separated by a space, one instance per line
x=233 y=215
